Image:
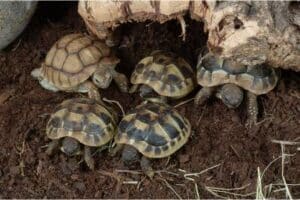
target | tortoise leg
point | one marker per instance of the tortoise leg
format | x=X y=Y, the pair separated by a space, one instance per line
x=134 y=88
x=203 y=95
x=48 y=86
x=146 y=167
x=113 y=38
x=116 y=149
x=88 y=158
x=37 y=74
x=252 y=108
x=129 y=155
x=91 y=89
x=52 y=146
x=121 y=81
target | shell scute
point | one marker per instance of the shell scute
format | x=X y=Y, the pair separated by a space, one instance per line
x=152 y=138
x=152 y=128
x=214 y=71
x=81 y=118
x=73 y=64
x=87 y=56
x=171 y=131
x=72 y=60
x=76 y=45
x=50 y=56
x=64 y=41
x=102 y=47
x=166 y=73
x=60 y=58
x=55 y=122
x=233 y=68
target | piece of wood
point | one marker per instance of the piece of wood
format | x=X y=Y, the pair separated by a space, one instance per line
x=253 y=32
x=102 y=17
x=250 y=32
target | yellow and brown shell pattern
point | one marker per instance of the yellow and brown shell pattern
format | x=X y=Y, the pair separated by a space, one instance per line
x=166 y=73
x=87 y=120
x=73 y=59
x=214 y=71
x=155 y=130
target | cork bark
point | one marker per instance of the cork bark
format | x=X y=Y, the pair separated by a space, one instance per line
x=102 y=17
x=250 y=32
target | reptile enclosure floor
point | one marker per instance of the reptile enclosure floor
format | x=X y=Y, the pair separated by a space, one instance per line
x=220 y=142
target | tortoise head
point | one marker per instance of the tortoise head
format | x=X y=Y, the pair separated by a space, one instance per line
x=102 y=78
x=104 y=75
x=149 y=94
x=36 y=73
x=70 y=146
x=130 y=155
x=231 y=95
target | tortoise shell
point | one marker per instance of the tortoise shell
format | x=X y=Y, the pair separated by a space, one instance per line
x=87 y=120
x=166 y=73
x=155 y=130
x=214 y=71
x=72 y=60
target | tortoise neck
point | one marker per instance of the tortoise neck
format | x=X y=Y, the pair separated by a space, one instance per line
x=161 y=100
x=70 y=146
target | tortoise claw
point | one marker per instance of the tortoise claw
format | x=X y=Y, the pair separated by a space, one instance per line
x=203 y=95
x=252 y=110
x=146 y=167
x=52 y=146
x=88 y=158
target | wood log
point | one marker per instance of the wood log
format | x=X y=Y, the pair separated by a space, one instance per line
x=253 y=32
x=102 y=17
x=250 y=32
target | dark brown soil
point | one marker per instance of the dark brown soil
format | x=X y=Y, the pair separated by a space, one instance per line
x=219 y=137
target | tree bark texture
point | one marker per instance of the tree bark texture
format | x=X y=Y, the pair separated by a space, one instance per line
x=250 y=32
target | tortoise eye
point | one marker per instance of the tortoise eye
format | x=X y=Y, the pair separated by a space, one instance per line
x=161 y=60
x=55 y=122
x=139 y=67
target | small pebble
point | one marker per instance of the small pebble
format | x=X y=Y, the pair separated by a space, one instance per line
x=184 y=158
x=98 y=194
x=79 y=186
x=146 y=182
x=73 y=164
x=14 y=170
x=216 y=158
x=10 y=183
x=298 y=108
x=39 y=167
x=64 y=168
x=74 y=177
x=235 y=118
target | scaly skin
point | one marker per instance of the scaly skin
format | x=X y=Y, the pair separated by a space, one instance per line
x=52 y=146
x=88 y=158
x=146 y=167
x=121 y=81
x=130 y=155
x=91 y=89
x=252 y=109
x=204 y=94
x=134 y=88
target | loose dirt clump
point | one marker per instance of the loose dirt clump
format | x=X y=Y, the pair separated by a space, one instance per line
x=220 y=144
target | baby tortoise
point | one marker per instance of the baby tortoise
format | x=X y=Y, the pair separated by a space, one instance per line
x=81 y=120
x=165 y=73
x=226 y=79
x=73 y=59
x=153 y=129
